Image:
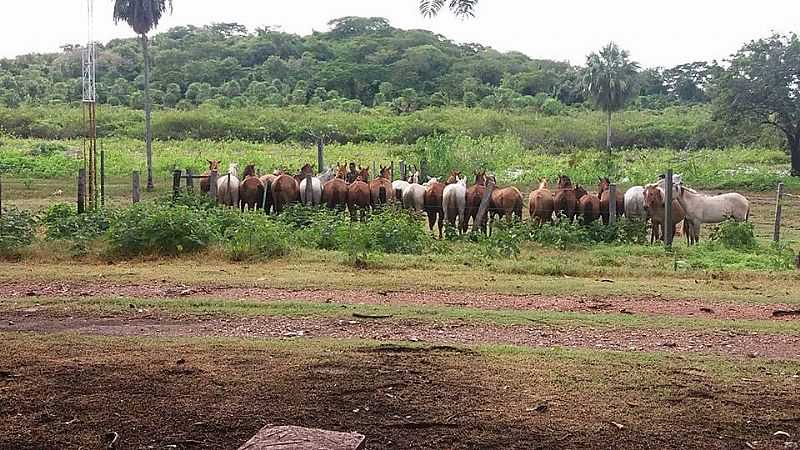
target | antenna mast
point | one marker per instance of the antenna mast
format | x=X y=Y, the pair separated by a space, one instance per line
x=89 y=66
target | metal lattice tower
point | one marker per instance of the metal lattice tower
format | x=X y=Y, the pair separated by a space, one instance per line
x=89 y=67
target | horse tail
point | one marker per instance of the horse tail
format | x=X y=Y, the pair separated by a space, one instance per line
x=228 y=187
x=382 y=194
x=267 y=196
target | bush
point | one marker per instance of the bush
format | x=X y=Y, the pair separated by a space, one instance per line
x=504 y=242
x=396 y=231
x=157 y=229
x=257 y=237
x=735 y=235
x=16 y=230
x=62 y=221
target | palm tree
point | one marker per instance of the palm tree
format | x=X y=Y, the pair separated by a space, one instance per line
x=143 y=16
x=464 y=8
x=609 y=81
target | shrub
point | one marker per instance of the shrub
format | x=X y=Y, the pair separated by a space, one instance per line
x=504 y=242
x=257 y=237
x=156 y=229
x=736 y=235
x=396 y=231
x=17 y=229
x=62 y=221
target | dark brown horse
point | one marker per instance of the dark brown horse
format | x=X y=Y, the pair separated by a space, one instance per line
x=432 y=204
x=358 y=195
x=564 y=200
x=380 y=188
x=213 y=166
x=334 y=192
x=588 y=205
x=505 y=202
x=604 y=194
x=284 y=191
x=251 y=190
x=473 y=202
x=540 y=203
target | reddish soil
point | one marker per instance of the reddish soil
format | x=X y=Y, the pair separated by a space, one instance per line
x=153 y=323
x=636 y=305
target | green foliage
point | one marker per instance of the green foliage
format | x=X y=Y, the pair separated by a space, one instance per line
x=735 y=235
x=156 y=229
x=504 y=241
x=564 y=234
x=257 y=237
x=17 y=230
x=62 y=222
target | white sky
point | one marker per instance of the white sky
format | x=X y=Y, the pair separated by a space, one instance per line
x=664 y=33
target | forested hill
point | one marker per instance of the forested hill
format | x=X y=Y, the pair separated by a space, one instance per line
x=358 y=62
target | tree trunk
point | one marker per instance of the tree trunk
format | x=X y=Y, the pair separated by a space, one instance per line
x=794 y=152
x=608 y=139
x=148 y=129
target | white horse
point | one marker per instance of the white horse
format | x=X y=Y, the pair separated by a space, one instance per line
x=228 y=186
x=327 y=175
x=414 y=197
x=454 y=200
x=316 y=191
x=399 y=186
x=634 y=203
x=700 y=208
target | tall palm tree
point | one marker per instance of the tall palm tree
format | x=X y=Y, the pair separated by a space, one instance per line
x=143 y=16
x=430 y=8
x=609 y=80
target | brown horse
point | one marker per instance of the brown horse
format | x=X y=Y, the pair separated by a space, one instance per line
x=432 y=201
x=251 y=190
x=505 y=203
x=284 y=191
x=565 y=200
x=380 y=188
x=604 y=194
x=654 y=205
x=358 y=195
x=213 y=166
x=334 y=192
x=540 y=203
x=588 y=205
x=473 y=202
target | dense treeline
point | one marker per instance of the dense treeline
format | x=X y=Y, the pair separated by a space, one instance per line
x=359 y=62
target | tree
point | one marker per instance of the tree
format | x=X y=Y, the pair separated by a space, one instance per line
x=762 y=87
x=143 y=16
x=464 y=8
x=609 y=81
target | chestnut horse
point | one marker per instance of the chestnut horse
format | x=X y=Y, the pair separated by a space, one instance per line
x=334 y=192
x=381 y=190
x=473 y=202
x=540 y=203
x=284 y=191
x=251 y=190
x=432 y=204
x=358 y=195
x=605 y=195
x=588 y=205
x=506 y=202
x=654 y=206
x=565 y=200
x=213 y=166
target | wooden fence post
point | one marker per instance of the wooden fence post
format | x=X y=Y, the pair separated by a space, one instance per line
x=374 y=170
x=423 y=170
x=176 y=184
x=484 y=206
x=309 y=194
x=776 y=235
x=320 y=155
x=612 y=204
x=102 y=178
x=135 y=187
x=81 y=191
x=391 y=171
x=668 y=210
x=1 y=195
x=213 y=176
x=402 y=170
x=189 y=180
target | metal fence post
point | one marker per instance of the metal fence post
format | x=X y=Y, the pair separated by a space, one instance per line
x=668 y=210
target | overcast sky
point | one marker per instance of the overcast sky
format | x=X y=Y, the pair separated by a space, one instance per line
x=663 y=33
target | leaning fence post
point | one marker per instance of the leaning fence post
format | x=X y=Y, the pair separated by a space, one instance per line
x=374 y=170
x=176 y=184
x=776 y=236
x=612 y=204
x=135 y=187
x=309 y=190
x=189 y=180
x=213 y=176
x=81 y=190
x=402 y=170
x=484 y=206
x=668 y=210
x=320 y=156
x=102 y=178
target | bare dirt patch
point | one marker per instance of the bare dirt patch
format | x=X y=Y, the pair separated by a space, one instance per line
x=607 y=304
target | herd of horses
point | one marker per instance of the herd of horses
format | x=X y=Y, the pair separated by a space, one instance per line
x=453 y=202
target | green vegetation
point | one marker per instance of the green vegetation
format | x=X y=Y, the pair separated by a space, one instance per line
x=16 y=231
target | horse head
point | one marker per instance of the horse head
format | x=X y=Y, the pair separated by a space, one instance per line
x=603 y=184
x=543 y=183
x=363 y=174
x=480 y=177
x=213 y=165
x=564 y=182
x=580 y=191
x=453 y=178
x=307 y=169
x=250 y=170
x=385 y=172
x=341 y=171
x=653 y=197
